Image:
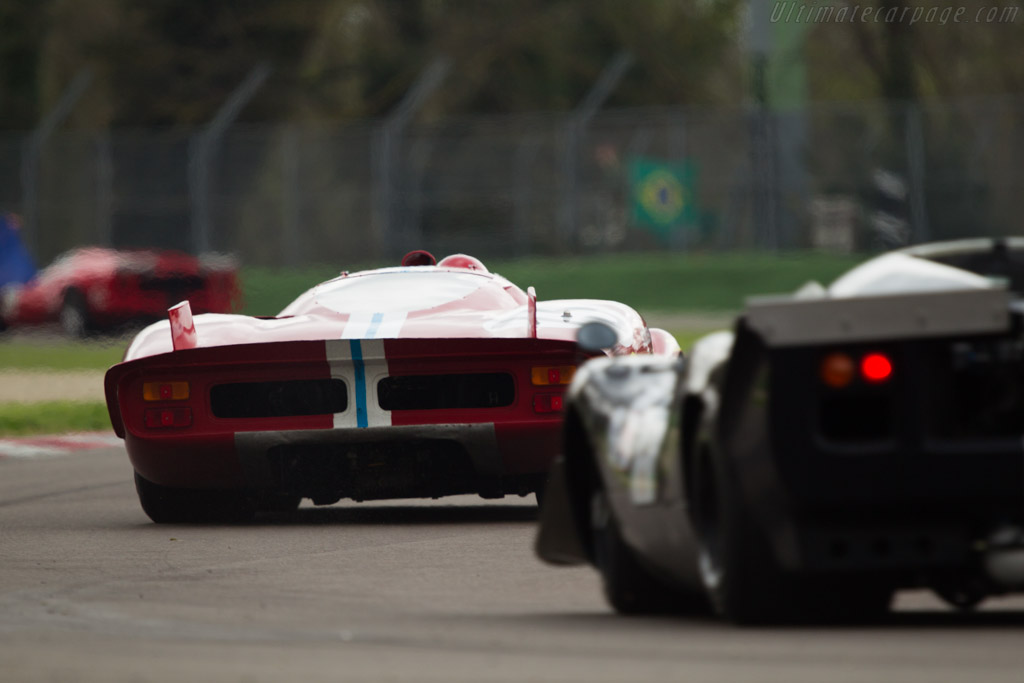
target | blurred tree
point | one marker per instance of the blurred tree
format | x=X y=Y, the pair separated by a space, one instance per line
x=176 y=61
x=23 y=27
x=936 y=55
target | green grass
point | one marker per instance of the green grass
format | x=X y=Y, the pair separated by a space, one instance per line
x=686 y=337
x=52 y=417
x=60 y=354
x=653 y=282
x=675 y=282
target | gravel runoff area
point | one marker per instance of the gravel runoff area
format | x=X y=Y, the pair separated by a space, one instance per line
x=32 y=386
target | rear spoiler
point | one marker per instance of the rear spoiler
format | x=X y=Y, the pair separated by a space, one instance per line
x=790 y=321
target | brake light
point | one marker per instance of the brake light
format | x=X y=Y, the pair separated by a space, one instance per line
x=165 y=391
x=876 y=367
x=547 y=375
x=837 y=370
x=547 y=403
x=168 y=417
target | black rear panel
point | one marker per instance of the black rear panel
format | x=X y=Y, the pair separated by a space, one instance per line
x=449 y=391
x=944 y=429
x=286 y=398
x=975 y=388
x=368 y=471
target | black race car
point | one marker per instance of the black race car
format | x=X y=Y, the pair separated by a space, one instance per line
x=838 y=445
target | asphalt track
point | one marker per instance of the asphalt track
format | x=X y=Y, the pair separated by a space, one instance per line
x=447 y=591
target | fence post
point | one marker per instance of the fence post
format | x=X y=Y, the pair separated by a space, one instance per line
x=32 y=151
x=387 y=176
x=920 y=231
x=574 y=129
x=201 y=151
x=291 y=200
x=104 y=189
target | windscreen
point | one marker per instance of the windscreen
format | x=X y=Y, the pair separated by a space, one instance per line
x=398 y=291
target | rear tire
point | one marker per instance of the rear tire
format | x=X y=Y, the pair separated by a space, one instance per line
x=165 y=505
x=628 y=586
x=74 y=315
x=742 y=578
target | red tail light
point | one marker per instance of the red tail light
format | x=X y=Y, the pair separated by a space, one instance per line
x=547 y=403
x=876 y=367
x=157 y=418
x=837 y=370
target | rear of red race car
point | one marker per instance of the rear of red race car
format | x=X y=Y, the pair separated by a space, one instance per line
x=144 y=284
x=218 y=430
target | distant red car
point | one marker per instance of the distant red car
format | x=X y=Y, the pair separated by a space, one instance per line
x=94 y=289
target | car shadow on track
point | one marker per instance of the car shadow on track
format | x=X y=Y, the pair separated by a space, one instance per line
x=401 y=514
x=897 y=621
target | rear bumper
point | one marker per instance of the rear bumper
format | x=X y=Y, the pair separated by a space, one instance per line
x=372 y=462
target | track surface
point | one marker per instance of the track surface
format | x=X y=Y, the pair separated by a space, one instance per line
x=444 y=591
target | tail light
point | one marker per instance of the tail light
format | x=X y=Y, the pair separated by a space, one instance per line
x=159 y=417
x=876 y=368
x=548 y=375
x=547 y=403
x=168 y=417
x=165 y=391
x=838 y=370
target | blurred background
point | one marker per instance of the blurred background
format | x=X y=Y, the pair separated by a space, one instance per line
x=302 y=132
x=675 y=155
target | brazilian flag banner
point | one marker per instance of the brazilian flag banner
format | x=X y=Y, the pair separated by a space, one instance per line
x=663 y=195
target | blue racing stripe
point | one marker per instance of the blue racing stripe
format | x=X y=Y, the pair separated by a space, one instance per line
x=360 y=372
x=375 y=322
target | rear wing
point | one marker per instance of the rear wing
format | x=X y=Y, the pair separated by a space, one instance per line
x=790 y=321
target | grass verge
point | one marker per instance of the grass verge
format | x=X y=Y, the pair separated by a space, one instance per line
x=647 y=282
x=54 y=354
x=52 y=417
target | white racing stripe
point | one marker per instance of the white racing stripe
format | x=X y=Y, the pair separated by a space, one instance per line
x=360 y=364
x=373 y=325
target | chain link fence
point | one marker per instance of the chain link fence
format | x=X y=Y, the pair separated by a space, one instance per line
x=849 y=177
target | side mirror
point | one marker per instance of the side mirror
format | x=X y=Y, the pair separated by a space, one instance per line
x=596 y=336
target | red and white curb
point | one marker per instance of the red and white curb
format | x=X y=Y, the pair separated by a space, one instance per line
x=50 y=446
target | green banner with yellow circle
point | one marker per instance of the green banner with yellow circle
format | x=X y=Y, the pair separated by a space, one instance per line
x=663 y=195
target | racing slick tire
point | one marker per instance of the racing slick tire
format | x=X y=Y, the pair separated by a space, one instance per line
x=74 y=315
x=628 y=586
x=742 y=578
x=165 y=505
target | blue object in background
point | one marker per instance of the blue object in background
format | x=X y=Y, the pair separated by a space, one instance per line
x=15 y=263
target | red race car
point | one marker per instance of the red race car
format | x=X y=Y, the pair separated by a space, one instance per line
x=425 y=380
x=93 y=289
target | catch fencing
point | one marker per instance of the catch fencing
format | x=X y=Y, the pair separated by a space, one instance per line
x=845 y=177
